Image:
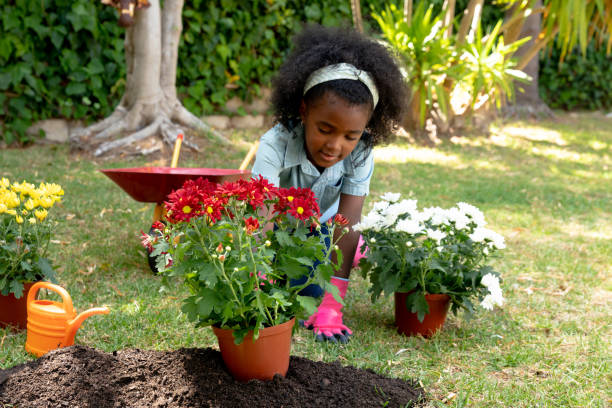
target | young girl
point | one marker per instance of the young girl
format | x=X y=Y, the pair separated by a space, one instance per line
x=336 y=96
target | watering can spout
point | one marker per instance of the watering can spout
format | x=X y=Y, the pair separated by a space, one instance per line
x=75 y=323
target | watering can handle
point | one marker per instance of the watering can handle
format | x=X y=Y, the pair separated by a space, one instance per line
x=66 y=299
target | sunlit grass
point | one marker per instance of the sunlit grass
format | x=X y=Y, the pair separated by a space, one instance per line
x=546 y=186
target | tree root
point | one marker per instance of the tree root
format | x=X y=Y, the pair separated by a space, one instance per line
x=143 y=129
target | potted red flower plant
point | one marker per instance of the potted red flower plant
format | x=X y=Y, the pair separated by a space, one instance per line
x=237 y=246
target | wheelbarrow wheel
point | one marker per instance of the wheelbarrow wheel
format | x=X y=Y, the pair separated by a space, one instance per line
x=150 y=258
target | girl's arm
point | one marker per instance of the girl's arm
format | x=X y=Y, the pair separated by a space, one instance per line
x=350 y=207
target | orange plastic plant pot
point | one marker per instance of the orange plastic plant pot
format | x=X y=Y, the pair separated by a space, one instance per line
x=260 y=359
x=408 y=323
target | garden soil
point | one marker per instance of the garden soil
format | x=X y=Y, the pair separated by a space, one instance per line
x=79 y=376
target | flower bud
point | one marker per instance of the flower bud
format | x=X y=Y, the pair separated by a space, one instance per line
x=220 y=248
x=235 y=269
x=268 y=243
x=222 y=257
x=214 y=256
x=409 y=243
x=345 y=230
x=228 y=248
x=336 y=247
x=373 y=240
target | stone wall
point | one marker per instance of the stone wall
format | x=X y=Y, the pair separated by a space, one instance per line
x=237 y=114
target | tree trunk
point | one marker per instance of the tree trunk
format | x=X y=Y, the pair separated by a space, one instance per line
x=527 y=98
x=357 y=19
x=149 y=113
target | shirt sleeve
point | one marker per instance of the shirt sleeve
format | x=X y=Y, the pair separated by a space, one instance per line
x=358 y=183
x=269 y=157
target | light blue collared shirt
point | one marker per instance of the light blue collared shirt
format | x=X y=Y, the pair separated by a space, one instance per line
x=281 y=159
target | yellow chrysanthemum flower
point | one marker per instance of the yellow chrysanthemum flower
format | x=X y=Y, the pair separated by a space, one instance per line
x=3 y=208
x=18 y=219
x=15 y=201
x=46 y=202
x=30 y=205
x=32 y=220
x=24 y=211
x=4 y=182
x=51 y=189
x=41 y=214
x=11 y=212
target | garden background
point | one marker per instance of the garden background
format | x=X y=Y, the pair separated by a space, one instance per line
x=544 y=185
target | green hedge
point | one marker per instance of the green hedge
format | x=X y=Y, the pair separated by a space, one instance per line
x=61 y=58
x=57 y=58
x=64 y=58
x=579 y=82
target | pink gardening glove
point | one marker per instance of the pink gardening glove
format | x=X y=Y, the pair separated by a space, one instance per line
x=358 y=253
x=326 y=322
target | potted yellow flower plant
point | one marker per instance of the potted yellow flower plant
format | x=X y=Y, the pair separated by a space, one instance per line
x=25 y=232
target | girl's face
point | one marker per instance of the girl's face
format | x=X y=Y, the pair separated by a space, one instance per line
x=332 y=128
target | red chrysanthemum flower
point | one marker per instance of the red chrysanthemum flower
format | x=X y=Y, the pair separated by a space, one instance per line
x=300 y=208
x=268 y=190
x=147 y=241
x=183 y=205
x=212 y=208
x=251 y=225
x=158 y=225
x=340 y=220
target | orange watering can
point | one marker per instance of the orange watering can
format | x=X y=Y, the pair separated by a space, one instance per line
x=52 y=324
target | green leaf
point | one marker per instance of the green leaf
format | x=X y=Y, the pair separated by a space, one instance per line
x=16 y=288
x=417 y=303
x=46 y=270
x=206 y=303
x=76 y=88
x=283 y=238
x=308 y=303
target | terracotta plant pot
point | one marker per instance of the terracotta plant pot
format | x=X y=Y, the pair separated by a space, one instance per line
x=262 y=359
x=408 y=323
x=13 y=311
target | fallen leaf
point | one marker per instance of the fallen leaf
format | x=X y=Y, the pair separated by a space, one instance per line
x=117 y=290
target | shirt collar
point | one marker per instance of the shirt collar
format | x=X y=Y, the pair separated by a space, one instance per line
x=295 y=154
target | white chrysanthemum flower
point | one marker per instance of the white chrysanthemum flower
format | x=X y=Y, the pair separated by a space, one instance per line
x=401 y=208
x=390 y=197
x=371 y=221
x=458 y=217
x=481 y=234
x=435 y=234
x=409 y=226
x=474 y=213
x=439 y=216
x=380 y=206
x=495 y=296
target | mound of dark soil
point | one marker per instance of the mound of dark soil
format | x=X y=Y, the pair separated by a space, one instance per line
x=79 y=376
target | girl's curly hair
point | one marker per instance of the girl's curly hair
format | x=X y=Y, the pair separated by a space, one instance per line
x=316 y=47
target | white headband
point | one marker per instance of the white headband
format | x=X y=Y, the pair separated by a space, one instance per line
x=342 y=71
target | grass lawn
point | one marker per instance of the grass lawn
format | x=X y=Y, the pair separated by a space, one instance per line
x=546 y=186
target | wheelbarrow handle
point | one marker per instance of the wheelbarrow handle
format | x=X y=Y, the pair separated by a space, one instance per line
x=249 y=156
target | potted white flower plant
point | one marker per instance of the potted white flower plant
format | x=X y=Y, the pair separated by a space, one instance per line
x=25 y=232
x=239 y=272
x=430 y=260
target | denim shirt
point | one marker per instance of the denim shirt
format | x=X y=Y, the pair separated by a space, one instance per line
x=281 y=159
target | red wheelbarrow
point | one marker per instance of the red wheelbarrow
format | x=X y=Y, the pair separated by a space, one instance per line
x=153 y=184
